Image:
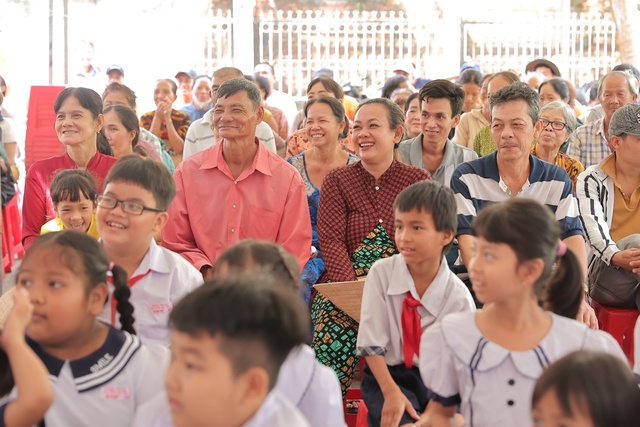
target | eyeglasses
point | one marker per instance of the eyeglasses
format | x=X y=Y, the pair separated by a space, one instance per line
x=132 y=208
x=554 y=125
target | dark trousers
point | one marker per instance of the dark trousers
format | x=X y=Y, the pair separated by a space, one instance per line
x=409 y=382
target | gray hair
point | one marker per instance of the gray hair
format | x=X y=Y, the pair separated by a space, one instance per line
x=233 y=86
x=567 y=112
x=632 y=82
x=518 y=92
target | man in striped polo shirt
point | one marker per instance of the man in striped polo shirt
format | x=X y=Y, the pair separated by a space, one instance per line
x=512 y=171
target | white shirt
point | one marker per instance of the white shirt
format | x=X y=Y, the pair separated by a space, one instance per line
x=312 y=387
x=104 y=388
x=200 y=136
x=171 y=277
x=386 y=286
x=275 y=411
x=493 y=384
x=285 y=102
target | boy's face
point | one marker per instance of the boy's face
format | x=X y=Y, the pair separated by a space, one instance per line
x=120 y=229
x=417 y=238
x=201 y=386
x=76 y=215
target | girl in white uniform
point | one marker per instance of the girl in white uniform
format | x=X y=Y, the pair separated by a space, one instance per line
x=99 y=374
x=488 y=361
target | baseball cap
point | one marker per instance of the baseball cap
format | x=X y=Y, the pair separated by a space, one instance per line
x=625 y=121
x=404 y=66
x=191 y=73
x=115 y=67
x=324 y=72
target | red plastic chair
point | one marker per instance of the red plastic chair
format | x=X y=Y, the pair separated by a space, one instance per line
x=354 y=394
x=620 y=323
x=361 y=420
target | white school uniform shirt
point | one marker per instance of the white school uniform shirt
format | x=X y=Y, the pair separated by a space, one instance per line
x=494 y=385
x=275 y=411
x=386 y=286
x=104 y=388
x=312 y=387
x=170 y=278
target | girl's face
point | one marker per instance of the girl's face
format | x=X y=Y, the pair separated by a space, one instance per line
x=548 y=94
x=548 y=412
x=471 y=96
x=412 y=118
x=63 y=312
x=495 y=272
x=119 y=137
x=76 y=215
x=75 y=124
x=321 y=126
x=163 y=92
x=373 y=136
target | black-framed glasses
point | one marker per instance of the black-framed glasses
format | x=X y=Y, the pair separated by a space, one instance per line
x=554 y=125
x=132 y=208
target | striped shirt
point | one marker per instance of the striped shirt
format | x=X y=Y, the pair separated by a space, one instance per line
x=477 y=184
x=589 y=144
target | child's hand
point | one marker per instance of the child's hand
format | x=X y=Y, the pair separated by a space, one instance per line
x=394 y=406
x=17 y=319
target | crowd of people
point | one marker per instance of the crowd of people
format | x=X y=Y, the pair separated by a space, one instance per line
x=172 y=256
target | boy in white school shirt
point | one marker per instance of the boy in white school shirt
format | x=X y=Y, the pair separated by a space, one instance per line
x=229 y=339
x=403 y=295
x=131 y=210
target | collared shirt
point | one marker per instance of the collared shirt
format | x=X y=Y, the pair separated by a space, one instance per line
x=588 y=144
x=493 y=384
x=388 y=281
x=170 y=278
x=105 y=387
x=56 y=224
x=454 y=154
x=276 y=410
x=200 y=136
x=626 y=212
x=476 y=184
x=212 y=210
x=470 y=123
x=37 y=208
x=352 y=204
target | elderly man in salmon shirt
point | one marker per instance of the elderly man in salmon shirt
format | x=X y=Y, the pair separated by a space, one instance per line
x=236 y=189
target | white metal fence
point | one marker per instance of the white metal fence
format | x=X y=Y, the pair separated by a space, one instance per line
x=362 y=47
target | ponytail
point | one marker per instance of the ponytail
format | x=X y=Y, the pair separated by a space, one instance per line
x=121 y=294
x=103 y=145
x=564 y=293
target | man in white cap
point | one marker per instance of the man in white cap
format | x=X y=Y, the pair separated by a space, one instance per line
x=608 y=195
x=115 y=74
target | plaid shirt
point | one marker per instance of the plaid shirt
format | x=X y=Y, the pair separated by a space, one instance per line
x=352 y=204
x=588 y=144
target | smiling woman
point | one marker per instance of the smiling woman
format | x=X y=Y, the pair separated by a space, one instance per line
x=78 y=122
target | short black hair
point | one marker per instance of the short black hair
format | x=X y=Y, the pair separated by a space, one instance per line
x=147 y=173
x=518 y=92
x=69 y=184
x=443 y=89
x=257 y=323
x=430 y=197
x=241 y=84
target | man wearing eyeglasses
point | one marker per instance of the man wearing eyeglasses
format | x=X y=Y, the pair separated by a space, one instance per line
x=236 y=189
x=512 y=171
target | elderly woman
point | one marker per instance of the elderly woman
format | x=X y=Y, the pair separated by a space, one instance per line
x=356 y=224
x=412 y=117
x=325 y=125
x=557 y=123
x=79 y=120
x=200 y=99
